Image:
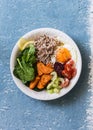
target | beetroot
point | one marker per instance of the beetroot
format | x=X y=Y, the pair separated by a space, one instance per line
x=58 y=67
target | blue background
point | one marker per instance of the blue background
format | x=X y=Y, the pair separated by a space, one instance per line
x=19 y=112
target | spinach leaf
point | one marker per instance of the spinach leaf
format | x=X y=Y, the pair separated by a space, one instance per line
x=31 y=51
x=24 y=68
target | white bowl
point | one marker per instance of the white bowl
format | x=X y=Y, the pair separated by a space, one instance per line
x=43 y=95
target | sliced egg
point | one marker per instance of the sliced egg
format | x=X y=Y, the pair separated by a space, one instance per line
x=70 y=48
x=72 y=51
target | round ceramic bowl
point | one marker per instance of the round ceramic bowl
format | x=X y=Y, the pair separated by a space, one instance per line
x=43 y=95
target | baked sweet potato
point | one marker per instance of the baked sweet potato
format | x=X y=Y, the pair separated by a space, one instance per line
x=44 y=80
x=43 y=69
x=39 y=68
x=49 y=65
x=34 y=83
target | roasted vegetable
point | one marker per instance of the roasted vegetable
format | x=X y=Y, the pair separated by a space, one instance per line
x=34 y=83
x=43 y=69
x=44 y=80
x=49 y=65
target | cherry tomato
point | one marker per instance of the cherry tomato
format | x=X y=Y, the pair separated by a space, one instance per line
x=74 y=72
x=69 y=69
x=69 y=65
x=67 y=74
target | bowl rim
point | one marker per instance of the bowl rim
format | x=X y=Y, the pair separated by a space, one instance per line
x=32 y=93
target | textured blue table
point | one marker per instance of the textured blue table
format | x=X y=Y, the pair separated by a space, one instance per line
x=19 y=112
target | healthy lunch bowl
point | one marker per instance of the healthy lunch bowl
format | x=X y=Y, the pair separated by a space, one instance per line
x=45 y=64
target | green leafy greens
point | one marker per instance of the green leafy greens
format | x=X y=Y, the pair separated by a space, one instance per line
x=24 y=69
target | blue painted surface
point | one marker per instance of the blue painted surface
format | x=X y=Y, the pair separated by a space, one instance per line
x=19 y=112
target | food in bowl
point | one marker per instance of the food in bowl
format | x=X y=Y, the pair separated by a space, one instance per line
x=45 y=63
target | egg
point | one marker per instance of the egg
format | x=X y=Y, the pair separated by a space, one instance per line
x=67 y=46
x=72 y=51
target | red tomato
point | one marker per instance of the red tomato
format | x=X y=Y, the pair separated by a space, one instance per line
x=69 y=65
x=69 y=70
x=70 y=62
x=74 y=72
x=67 y=74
